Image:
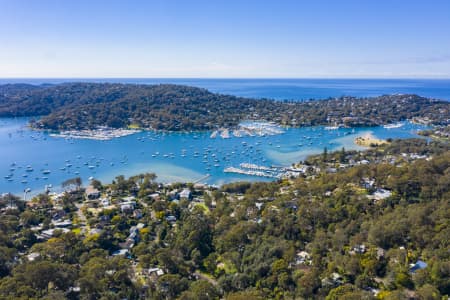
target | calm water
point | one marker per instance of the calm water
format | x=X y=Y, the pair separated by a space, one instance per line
x=188 y=157
x=297 y=89
x=182 y=156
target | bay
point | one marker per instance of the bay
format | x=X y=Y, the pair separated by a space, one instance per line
x=172 y=156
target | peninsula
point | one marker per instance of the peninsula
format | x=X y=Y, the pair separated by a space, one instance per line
x=86 y=106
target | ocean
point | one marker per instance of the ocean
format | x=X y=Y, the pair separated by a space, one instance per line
x=286 y=89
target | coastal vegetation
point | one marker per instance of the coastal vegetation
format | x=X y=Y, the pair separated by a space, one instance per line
x=77 y=106
x=368 y=224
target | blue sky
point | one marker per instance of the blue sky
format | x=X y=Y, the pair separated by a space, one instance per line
x=232 y=38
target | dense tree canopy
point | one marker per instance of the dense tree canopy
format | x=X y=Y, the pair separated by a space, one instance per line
x=176 y=107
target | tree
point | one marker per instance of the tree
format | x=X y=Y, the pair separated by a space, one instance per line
x=171 y=285
x=428 y=292
x=77 y=182
x=195 y=233
x=200 y=290
x=342 y=155
x=325 y=154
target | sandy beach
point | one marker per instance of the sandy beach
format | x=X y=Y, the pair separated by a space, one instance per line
x=369 y=140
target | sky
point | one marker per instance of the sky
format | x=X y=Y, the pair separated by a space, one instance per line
x=225 y=39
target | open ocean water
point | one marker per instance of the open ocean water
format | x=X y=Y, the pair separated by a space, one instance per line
x=291 y=89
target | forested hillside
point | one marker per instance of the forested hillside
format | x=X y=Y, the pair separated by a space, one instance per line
x=180 y=108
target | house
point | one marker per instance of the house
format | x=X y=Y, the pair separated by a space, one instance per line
x=58 y=214
x=128 y=244
x=137 y=213
x=134 y=229
x=129 y=199
x=360 y=249
x=62 y=223
x=171 y=219
x=154 y=196
x=303 y=258
x=47 y=234
x=132 y=239
x=33 y=256
x=121 y=252
x=380 y=253
x=368 y=183
x=381 y=194
x=92 y=193
x=173 y=195
x=105 y=202
x=156 y=271
x=104 y=219
x=331 y=170
x=333 y=280
x=419 y=265
x=95 y=231
x=127 y=206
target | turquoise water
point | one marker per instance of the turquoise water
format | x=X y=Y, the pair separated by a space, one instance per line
x=296 y=89
x=182 y=156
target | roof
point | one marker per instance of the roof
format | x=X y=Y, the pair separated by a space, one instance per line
x=185 y=193
x=120 y=252
x=419 y=265
x=91 y=190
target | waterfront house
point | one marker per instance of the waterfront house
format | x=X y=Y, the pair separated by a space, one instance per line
x=186 y=194
x=92 y=193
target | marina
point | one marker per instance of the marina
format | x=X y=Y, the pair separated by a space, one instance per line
x=100 y=133
x=250 y=155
